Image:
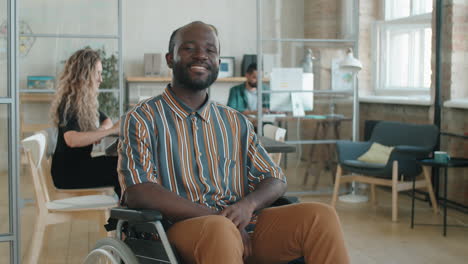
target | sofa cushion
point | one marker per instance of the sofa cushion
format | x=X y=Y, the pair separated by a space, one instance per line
x=377 y=153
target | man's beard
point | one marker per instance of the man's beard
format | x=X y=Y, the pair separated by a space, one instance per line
x=253 y=84
x=182 y=75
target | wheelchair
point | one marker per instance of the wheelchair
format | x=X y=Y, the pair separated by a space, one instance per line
x=140 y=238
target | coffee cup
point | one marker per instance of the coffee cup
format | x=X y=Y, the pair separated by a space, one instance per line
x=441 y=156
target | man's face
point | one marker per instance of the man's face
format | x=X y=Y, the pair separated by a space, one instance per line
x=195 y=62
x=252 y=79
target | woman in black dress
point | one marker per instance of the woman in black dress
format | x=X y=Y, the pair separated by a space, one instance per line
x=80 y=125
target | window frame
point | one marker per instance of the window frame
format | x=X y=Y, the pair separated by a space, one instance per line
x=381 y=32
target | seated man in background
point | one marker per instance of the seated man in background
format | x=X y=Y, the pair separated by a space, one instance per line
x=243 y=97
x=201 y=165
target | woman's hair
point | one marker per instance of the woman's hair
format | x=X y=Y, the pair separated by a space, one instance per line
x=76 y=95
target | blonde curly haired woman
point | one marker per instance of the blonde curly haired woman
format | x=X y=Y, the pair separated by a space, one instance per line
x=80 y=124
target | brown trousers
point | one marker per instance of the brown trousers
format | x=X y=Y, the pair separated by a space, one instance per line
x=282 y=234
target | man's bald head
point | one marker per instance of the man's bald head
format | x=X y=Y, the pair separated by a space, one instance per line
x=175 y=33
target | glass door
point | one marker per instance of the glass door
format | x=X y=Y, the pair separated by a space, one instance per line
x=308 y=94
x=9 y=228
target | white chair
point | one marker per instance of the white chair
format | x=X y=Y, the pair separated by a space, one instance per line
x=57 y=206
x=278 y=134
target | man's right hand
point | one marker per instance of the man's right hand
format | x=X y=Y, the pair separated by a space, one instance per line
x=239 y=213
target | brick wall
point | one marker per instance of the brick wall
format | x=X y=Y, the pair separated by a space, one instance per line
x=454 y=86
x=322 y=20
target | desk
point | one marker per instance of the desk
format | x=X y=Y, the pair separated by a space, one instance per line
x=273 y=146
x=270 y=145
x=427 y=163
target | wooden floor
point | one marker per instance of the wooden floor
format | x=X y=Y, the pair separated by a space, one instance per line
x=370 y=234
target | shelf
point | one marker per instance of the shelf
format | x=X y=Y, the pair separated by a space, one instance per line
x=143 y=79
x=309 y=91
x=37 y=97
x=50 y=91
x=37 y=91
x=70 y=36
x=311 y=40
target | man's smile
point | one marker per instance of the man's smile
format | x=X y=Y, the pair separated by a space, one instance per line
x=197 y=68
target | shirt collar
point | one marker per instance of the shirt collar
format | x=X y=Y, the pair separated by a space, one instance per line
x=183 y=110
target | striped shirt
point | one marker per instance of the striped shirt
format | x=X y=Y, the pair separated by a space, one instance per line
x=211 y=156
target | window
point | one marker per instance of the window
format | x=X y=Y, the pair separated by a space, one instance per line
x=402 y=53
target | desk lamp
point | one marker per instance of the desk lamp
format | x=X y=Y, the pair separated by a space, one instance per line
x=353 y=65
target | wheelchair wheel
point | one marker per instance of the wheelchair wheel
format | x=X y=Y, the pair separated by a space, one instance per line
x=111 y=251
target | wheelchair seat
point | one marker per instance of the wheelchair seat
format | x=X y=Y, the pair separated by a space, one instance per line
x=141 y=238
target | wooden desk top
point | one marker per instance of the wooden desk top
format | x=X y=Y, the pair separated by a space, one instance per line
x=273 y=146
x=36 y=97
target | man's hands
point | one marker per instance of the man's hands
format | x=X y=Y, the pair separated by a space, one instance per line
x=239 y=213
x=248 y=251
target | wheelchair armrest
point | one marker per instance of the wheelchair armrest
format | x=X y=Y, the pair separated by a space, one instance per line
x=285 y=200
x=135 y=215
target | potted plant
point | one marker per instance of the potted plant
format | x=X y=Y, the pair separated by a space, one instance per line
x=108 y=102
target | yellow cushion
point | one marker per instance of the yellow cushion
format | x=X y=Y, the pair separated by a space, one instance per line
x=377 y=153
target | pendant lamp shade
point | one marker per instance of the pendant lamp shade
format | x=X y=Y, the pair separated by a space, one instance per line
x=350 y=63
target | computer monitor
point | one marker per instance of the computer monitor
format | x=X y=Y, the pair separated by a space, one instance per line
x=292 y=79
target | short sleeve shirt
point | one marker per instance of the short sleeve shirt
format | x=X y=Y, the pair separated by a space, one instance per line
x=210 y=156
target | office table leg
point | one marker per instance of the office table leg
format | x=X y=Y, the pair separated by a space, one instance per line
x=308 y=171
x=445 y=201
x=412 y=203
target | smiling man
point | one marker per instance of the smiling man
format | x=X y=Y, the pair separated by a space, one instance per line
x=201 y=165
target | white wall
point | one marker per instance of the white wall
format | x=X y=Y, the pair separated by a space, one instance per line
x=148 y=25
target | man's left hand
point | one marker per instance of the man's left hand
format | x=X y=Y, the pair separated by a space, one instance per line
x=239 y=213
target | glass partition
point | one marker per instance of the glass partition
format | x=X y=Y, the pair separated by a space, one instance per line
x=3 y=49
x=47 y=41
x=49 y=32
x=73 y=17
x=39 y=72
x=47 y=57
x=8 y=169
x=4 y=170
x=309 y=95
x=5 y=253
